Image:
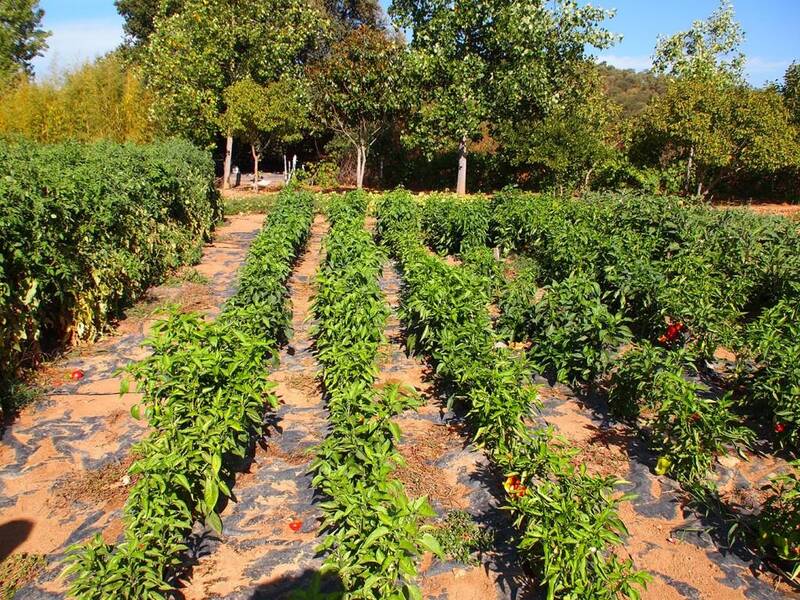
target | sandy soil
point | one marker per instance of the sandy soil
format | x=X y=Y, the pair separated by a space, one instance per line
x=258 y=555
x=62 y=462
x=791 y=211
x=688 y=557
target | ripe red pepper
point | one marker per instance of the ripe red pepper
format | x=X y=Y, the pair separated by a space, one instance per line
x=296 y=525
x=780 y=427
x=76 y=375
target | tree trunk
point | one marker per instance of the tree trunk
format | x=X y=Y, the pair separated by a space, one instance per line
x=255 y=168
x=226 y=169
x=461 y=182
x=689 y=169
x=362 y=165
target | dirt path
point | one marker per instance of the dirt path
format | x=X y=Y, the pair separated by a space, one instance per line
x=62 y=462
x=685 y=555
x=259 y=555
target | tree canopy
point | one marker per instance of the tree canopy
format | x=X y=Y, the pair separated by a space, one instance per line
x=196 y=53
x=477 y=62
x=21 y=37
x=358 y=87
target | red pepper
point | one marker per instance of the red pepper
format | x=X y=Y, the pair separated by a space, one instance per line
x=780 y=427
x=296 y=525
x=76 y=375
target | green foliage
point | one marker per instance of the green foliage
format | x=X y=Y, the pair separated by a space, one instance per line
x=374 y=531
x=572 y=143
x=771 y=361
x=324 y=174
x=356 y=89
x=204 y=389
x=566 y=519
x=197 y=52
x=573 y=333
x=460 y=537
x=21 y=37
x=265 y=117
x=477 y=62
x=710 y=126
x=140 y=17
x=454 y=225
x=661 y=260
x=687 y=427
x=791 y=91
x=779 y=520
x=708 y=50
x=517 y=297
x=87 y=229
x=102 y=100
x=716 y=131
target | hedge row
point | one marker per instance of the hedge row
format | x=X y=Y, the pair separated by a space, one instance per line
x=86 y=229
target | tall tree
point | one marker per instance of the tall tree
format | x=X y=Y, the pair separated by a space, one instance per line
x=140 y=17
x=265 y=117
x=485 y=61
x=791 y=91
x=710 y=49
x=357 y=87
x=193 y=55
x=710 y=125
x=21 y=37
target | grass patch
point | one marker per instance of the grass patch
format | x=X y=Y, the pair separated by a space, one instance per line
x=461 y=537
x=187 y=275
x=16 y=395
x=248 y=204
x=17 y=570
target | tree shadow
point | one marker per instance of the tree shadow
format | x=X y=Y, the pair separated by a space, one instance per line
x=12 y=535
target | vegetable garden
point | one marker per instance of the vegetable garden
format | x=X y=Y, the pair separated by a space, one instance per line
x=674 y=322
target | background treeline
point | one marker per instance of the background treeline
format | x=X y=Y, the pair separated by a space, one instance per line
x=357 y=101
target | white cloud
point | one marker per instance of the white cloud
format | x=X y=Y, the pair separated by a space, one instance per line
x=637 y=62
x=74 y=42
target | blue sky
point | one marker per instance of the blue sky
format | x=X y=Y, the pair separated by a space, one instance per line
x=83 y=29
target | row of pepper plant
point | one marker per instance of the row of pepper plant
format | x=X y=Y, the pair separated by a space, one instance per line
x=669 y=282
x=205 y=390
x=566 y=519
x=374 y=532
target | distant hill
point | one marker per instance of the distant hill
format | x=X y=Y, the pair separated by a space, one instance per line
x=631 y=89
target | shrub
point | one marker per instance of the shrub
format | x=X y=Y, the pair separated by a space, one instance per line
x=86 y=229
x=771 y=358
x=572 y=331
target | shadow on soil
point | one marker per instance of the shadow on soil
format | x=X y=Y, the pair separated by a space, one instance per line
x=12 y=535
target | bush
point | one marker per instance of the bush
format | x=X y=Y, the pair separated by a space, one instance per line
x=87 y=229
x=687 y=426
x=772 y=360
x=572 y=331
